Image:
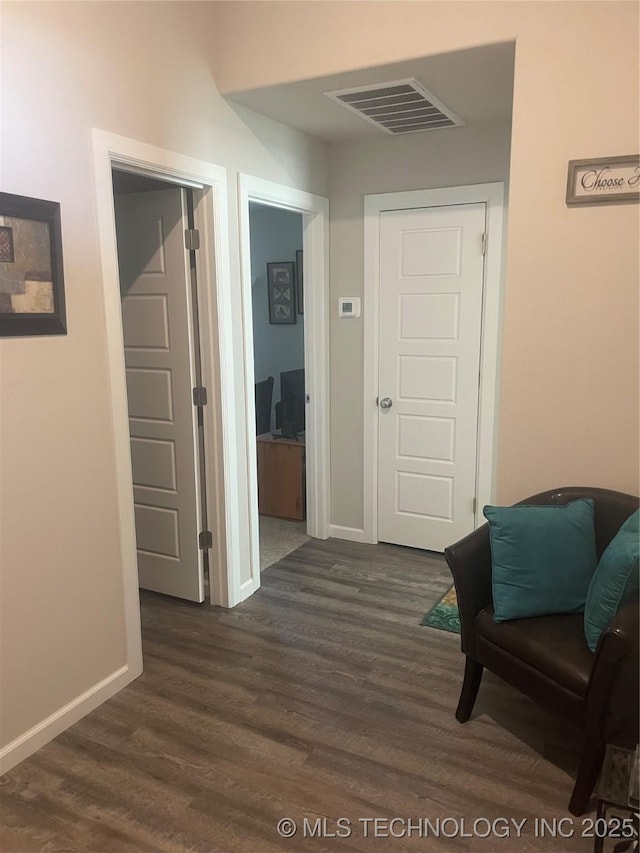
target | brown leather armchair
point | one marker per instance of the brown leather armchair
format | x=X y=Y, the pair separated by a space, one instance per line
x=547 y=657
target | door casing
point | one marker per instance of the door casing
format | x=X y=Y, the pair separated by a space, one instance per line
x=490 y=346
x=216 y=320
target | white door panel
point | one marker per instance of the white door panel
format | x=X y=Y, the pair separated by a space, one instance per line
x=431 y=283
x=157 y=324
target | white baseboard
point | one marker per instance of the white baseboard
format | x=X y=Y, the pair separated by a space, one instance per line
x=351 y=534
x=31 y=741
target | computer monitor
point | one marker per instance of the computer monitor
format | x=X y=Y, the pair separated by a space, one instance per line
x=292 y=397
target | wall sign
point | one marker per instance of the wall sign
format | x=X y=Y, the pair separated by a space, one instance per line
x=604 y=179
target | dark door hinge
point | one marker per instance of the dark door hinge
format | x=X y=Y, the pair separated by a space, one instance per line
x=200 y=396
x=205 y=540
x=192 y=239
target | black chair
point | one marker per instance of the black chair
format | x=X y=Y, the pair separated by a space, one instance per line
x=264 y=396
x=547 y=657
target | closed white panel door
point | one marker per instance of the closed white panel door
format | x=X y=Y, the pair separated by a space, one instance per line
x=158 y=344
x=431 y=282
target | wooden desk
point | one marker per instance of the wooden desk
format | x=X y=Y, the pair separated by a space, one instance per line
x=281 y=481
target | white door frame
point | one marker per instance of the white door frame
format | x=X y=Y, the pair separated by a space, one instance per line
x=315 y=213
x=216 y=323
x=490 y=346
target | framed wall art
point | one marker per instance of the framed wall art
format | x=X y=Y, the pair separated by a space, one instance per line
x=281 y=289
x=31 y=272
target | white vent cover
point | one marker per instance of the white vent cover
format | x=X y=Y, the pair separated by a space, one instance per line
x=403 y=106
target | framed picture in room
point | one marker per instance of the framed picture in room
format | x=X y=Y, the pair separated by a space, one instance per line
x=31 y=273
x=299 y=282
x=281 y=291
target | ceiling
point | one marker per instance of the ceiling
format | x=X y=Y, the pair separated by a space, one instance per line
x=476 y=84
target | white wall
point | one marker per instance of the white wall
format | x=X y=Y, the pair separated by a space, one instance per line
x=68 y=67
x=461 y=155
x=276 y=235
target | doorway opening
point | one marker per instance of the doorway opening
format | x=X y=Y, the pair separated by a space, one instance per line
x=277 y=301
x=314 y=211
x=220 y=330
x=157 y=239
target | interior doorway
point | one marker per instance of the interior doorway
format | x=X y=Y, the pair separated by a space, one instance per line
x=315 y=243
x=277 y=300
x=432 y=341
x=431 y=285
x=156 y=240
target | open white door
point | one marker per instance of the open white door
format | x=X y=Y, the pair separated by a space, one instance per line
x=157 y=321
x=431 y=286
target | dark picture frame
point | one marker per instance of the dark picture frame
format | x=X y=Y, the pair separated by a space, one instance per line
x=281 y=292
x=299 y=282
x=31 y=270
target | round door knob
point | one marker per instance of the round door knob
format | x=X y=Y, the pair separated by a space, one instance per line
x=386 y=403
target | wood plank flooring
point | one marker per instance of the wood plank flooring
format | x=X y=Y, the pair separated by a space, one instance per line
x=319 y=697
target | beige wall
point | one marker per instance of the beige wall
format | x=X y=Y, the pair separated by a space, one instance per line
x=569 y=383
x=453 y=157
x=140 y=70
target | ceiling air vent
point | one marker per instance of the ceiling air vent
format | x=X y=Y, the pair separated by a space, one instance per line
x=403 y=106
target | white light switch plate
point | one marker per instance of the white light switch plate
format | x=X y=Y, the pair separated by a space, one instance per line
x=349 y=306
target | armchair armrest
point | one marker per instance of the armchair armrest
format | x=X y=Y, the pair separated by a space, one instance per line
x=625 y=623
x=470 y=562
x=618 y=640
x=612 y=698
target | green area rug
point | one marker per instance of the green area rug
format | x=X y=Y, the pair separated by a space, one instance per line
x=445 y=614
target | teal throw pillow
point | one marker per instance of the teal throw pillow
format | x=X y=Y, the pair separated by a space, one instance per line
x=543 y=558
x=616 y=579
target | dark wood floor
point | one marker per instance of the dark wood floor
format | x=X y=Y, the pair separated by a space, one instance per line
x=320 y=697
